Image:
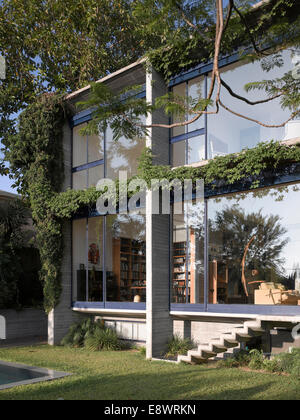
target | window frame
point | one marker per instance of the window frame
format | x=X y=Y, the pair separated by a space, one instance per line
x=247 y=309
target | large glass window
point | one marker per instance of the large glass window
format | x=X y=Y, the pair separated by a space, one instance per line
x=79 y=147
x=187 y=278
x=118 y=258
x=95 y=147
x=191 y=147
x=180 y=91
x=254 y=248
x=196 y=90
x=95 y=259
x=122 y=155
x=126 y=258
x=88 y=155
x=228 y=133
x=80 y=180
x=79 y=238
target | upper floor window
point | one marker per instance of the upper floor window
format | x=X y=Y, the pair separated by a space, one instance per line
x=99 y=156
x=224 y=133
x=122 y=155
x=228 y=133
x=88 y=159
x=188 y=142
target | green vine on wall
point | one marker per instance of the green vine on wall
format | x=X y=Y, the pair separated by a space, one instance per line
x=36 y=158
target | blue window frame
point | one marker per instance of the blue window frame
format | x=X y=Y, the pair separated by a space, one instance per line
x=83 y=172
x=285 y=178
x=189 y=143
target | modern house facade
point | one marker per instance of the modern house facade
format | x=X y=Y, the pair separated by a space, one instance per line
x=234 y=259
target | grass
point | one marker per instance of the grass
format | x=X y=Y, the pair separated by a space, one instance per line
x=127 y=375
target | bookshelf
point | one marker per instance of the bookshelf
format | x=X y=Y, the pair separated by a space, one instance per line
x=180 y=275
x=129 y=261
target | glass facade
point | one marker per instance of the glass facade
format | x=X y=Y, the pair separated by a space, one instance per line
x=240 y=249
x=252 y=252
x=88 y=159
x=188 y=146
x=109 y=252
x=187 y=279
x=126 y=258
x=225 y=133
x=109 y=259
x=228 y=133
x=254 y=249
x=122 y=155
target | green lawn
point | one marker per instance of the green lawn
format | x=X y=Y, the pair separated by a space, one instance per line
x=127 y=375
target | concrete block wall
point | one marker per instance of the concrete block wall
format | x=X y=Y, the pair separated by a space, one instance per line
x=201 y=332
x=134 y=331
x=159 y=323
x=24 y=324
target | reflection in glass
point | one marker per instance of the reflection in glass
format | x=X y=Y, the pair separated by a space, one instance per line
x=122 y=155
x=229 y=133
x=180 y=91
x=126 y=258
x=179 y=153
x=196 y=90
x=80 y=180
x=188 y=253
x=95 y=259
x=95 y=174
x=79 y=260
x=79 y=147
x=95 y=147
x=196 y=149
x=254 y=249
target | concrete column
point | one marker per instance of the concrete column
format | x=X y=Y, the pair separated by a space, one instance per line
x=159 y=323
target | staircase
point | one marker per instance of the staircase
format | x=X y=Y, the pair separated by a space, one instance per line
x=224 y=342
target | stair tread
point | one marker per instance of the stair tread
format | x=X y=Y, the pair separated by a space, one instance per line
x=225 y=342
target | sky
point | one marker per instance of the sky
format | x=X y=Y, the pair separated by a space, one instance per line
x=6 y=184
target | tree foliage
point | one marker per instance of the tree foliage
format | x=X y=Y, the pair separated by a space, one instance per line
x=13 y=217
x=206 y=31
x=62 y=45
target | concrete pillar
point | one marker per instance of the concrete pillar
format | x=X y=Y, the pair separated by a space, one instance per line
x=159 y=323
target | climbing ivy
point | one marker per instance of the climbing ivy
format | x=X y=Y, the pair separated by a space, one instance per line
x=36 y=157
x=248 y=165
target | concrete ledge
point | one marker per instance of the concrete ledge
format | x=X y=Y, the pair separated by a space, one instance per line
x=113 y=312
x=219 y=316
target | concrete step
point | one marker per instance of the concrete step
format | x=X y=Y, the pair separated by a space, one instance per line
x=184 y=359
x=227 y=342
x=195 y=354
x=256 y=331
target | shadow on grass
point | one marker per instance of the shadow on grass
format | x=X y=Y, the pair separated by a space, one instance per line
x=177 y=383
